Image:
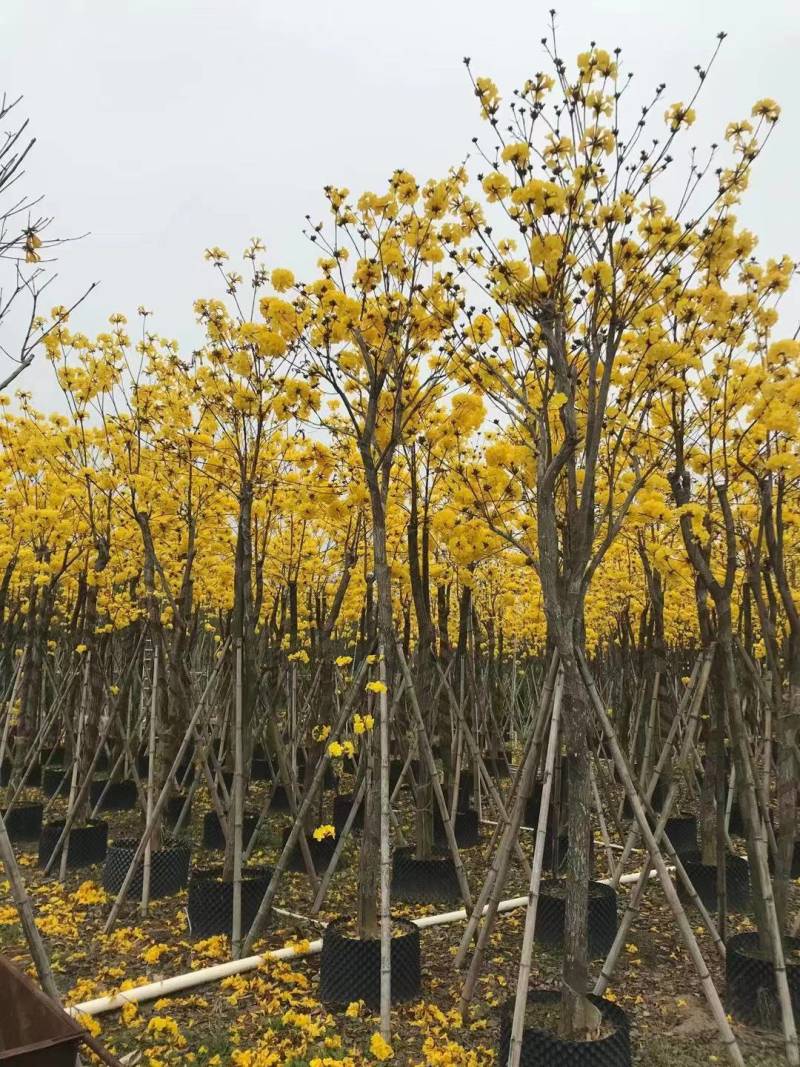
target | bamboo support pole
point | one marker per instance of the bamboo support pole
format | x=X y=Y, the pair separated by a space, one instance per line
x=523 y=977
x=726 y=1034
x=162 y=797
x=386 y=862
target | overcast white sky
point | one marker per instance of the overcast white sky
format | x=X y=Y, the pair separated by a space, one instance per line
x=165 y=126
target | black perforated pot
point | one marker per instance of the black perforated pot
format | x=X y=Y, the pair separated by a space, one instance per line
x=704 y=879
x=173 y=809
x=213 y=837
x=602 y=917
x=682 y=833
x=280 y=798
x=543 y=1048
x=350 y=969
x=259 y=771
x=169 y=869
x=210 y=905
x=24 y=822
x=87 y=844
x=321 y=852
x=120 y=796
x=430 y=881
x=751 y=990
x=341 y=809
x=467 y=829
x=55 y=781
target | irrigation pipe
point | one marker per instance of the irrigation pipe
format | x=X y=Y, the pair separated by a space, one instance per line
x=179 y=982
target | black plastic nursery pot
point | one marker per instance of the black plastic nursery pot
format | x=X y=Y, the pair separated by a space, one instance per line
x=466 y=826
x=7 y=767
x=213 y=837
x=682 y=833
x=173 y=809
x=602 y=917
x=321 y=852
x=259 y=770
x=752 y=996
x=280 y=798
x=169 y=869
x=342 y=803
x=210 y=905
x=120 y=796
x=704 y=879
x=87 y=844
x=350 y=969
x=55 y=781
x=431 y=881
x=24 y=822
x=544 y=1048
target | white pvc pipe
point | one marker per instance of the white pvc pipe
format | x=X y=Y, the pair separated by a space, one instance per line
x=167 y=986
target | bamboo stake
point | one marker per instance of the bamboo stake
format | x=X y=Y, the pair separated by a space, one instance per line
x=386 y=862
x=76 y=758
x=726 y=1034
x=151 y=772
x=340 y=843
x=10 y=705
x=638 y=891
x=294 y=833
x=238 y=806
x=437 y=788
x=488 y=902
x=24 y=907
x=598 y=807
x=693 y=696
x=523 y=978
x=162 y=797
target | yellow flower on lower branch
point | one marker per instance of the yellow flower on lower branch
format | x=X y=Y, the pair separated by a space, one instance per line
x=380 y=1048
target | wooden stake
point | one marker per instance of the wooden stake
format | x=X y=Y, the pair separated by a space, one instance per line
x=523 y=978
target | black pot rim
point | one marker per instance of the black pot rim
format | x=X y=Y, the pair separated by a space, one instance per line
x=741 y=943
x=598 y=889
x=333 y=928
x=611 y=1012
x=59 y=824
x=696 y=859
x=130 y=844
x=214 y=874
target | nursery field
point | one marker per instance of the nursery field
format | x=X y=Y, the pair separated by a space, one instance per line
x=409 y=670
x=273 y=1014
